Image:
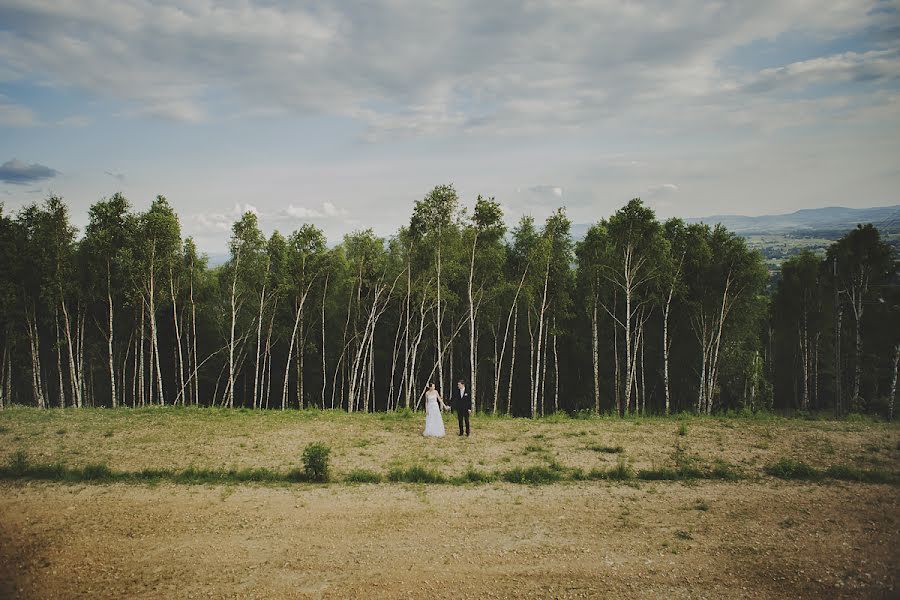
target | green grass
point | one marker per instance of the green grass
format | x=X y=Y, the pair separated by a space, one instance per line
x=416 y=474
x=532 y=475
x=851 y=473
x=363 y=476
x=788 y=468
x=620 y=472
x=606 y=449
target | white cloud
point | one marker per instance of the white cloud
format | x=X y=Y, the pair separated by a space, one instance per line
x=845 y=67
x=407 y=68
x=301 y=212
x=15 y=115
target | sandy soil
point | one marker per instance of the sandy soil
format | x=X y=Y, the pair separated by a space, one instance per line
x=130 y=441
x=759 y=537
x=656 y=540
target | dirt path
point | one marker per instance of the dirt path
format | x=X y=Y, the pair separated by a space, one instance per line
x=656 y=540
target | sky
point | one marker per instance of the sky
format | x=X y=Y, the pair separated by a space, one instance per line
x=344 y=114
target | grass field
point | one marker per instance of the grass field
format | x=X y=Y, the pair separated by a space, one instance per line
x=106 y=503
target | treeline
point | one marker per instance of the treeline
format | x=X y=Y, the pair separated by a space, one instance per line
x=639 y=317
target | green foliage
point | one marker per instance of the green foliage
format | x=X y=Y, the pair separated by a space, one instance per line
x=315 y=462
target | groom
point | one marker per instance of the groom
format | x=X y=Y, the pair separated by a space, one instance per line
x=462 y=402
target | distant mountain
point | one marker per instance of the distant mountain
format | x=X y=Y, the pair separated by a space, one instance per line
x=886 y=218
x=832 y=217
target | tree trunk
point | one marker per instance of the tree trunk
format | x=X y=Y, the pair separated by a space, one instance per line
x=324 y=363
x=439 y=315
x=34 y=344
x=230 y=392
x=175 y=322
x=595 y=357
x=537 y=375
x=109 y=340
x=73 y=373
x=499 y=360
x=893 y=384
x=59 y=362
x=473 y=349
x=259 y=321
x=194 y=337
x=512 y=360
x=857 y=372
x=555 y=371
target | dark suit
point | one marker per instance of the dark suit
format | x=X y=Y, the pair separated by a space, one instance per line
x=462 y=404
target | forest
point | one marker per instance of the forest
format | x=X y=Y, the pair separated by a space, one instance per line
x=641 y=316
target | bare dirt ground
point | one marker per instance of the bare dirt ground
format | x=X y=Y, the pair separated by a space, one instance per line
x=755 y=538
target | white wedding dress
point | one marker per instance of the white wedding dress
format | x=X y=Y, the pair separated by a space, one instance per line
x=434 y=423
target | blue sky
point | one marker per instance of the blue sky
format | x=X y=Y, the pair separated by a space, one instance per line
x=344 y=115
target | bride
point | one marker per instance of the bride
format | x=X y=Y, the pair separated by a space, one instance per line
x=434 y=404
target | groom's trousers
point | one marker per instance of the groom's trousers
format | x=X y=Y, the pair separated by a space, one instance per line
x=463 y=417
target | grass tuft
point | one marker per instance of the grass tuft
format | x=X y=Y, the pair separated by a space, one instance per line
x=620 y=472
x=606 y=449
x=534 y=475
x=788 y=468
x=416 y=474
x=362 y=476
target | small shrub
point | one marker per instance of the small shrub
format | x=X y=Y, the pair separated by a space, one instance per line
x=315 y=462
x=537 y=448
x=788 y=468
x=362 y=476
x=700 y=504
x=682 y=429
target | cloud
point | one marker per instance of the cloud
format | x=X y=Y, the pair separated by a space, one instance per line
x=15 y=115
x=116 y=176
x=17 y=172
x=406 y=68
x=547 y=190
x=327 y=211
x=75 y=121
x=869 y=66
x=662 y=189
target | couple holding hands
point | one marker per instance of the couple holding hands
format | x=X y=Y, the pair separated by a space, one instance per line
x=434 y=403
